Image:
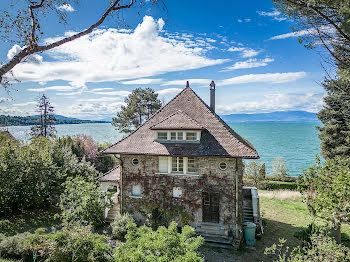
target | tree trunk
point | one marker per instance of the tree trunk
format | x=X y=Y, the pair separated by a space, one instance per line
x=335 y=230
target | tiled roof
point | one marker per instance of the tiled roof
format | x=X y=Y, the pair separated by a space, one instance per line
x=178 y=120
x=112 y=175
x=217 y=139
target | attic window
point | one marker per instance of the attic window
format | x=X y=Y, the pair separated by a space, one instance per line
x=191 y=136
x=162 y=135
x=135 y=162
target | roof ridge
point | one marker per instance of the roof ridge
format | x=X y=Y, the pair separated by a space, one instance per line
x=177 y=112
x=158 y=111
x=234 y=134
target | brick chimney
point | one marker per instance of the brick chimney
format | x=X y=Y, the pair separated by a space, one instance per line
x=212 y=96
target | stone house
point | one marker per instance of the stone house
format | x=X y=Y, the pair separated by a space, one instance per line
x=185 y=163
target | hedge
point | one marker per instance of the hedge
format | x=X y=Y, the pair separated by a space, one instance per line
x=276 y=185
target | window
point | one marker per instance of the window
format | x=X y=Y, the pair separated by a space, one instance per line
x=136 y=190
x=135 y=162
x=192 y=165
x=191 y=136
x=173 y=136
x=162 y=135
x=177 y=192
x=223 y=166
x=163 y=164
x=177 y=164
x=180 y=136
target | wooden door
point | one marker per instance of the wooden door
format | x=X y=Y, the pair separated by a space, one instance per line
x=211 y=207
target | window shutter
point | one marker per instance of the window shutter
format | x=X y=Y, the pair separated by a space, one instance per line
x=163 y=164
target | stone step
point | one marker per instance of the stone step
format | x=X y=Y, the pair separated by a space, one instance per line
x=210 y=231
x=211 y=226
x=210 y=235
x=219 y=245
x=216 y=239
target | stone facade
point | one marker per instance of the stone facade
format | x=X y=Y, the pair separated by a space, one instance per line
x=157 y=190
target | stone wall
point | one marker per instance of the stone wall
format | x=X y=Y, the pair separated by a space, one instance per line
x=157 y=189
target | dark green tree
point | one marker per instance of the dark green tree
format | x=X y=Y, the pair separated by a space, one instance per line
x=335 y=116
x=141 y=104
x=46 y=124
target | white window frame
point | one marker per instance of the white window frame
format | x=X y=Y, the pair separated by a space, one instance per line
x=170 y=163
x=184 y=135
x=223 y=169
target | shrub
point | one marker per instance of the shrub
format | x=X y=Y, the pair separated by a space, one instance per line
x=83 y=202
x=15 y=246
x=281 y=186
x=164 y=244
x=76 y=244
x=119 y=225
x=321 y=248
x=305 y=234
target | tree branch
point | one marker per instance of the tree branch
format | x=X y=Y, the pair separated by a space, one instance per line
x=303 y=4
x=35 y=48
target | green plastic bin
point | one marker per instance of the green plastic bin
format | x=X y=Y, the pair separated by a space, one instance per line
x=249 y=233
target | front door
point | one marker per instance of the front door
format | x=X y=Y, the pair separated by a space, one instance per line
x=211 y=207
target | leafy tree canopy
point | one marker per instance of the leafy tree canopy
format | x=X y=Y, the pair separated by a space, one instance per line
x=141 y=104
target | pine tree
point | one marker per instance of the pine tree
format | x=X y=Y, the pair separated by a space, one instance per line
x=141 y=104
x=46 y=124
x=335 y=116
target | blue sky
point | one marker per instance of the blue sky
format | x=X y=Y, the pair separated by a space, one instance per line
x=246 y=47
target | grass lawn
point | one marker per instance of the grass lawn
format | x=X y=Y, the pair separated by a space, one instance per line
x=281 y=219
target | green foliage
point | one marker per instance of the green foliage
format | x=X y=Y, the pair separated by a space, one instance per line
x=255 y=175
x=77 y=244
x=15 y=246
x=320 y=249
x=28 y=176
x=328 y=191
x=83 y=202
x=279 y=168
x=335 y=132
x=119 y=225
x=305 y=234
x=140 y=105
x=164 y=244
x=32 y=175
x=276 y=185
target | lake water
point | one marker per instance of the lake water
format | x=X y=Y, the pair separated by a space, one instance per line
x=297 y=143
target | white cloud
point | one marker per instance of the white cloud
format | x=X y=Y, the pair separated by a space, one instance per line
x=311 y=102
x=210 y=40
x=112 y=93
x=143 y=81
x=55 y=88
x=245 y=51
x=101 y=89
x=250 y=63
x=239 y=20
x=309 y=31
x=272 y=13
x=5 y=99
x=100 y=99
x=183 y=82
x=161 y=24
x=26 y=104
x=169 y=91
x=247 y=20
x=109 y=55
x=66 y=7
x=274 y=78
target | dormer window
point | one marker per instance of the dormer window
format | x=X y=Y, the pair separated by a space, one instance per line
x=191 y=136
x=162 y=135
x=178 y=136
